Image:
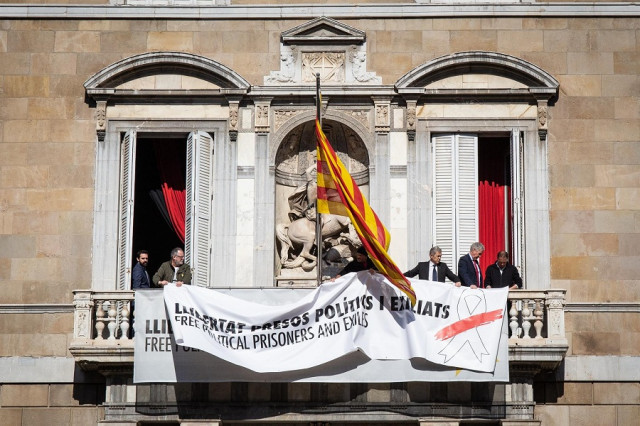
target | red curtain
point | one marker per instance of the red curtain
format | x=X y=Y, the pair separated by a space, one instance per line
x=491 y=203
x=168 y=157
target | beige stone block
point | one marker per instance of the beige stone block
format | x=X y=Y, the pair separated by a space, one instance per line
x=474 y=40
x=24 y=177
x=34 y=269
x=577 y=322
x=571 y=221
x=436 y=42
x=77 y=41
x=616 y=393
x=577 y=393
x=109 y=25
x=520 y=41
x=5 y=269
x=628 y=198
x=72 y=176
x=86 y=416
x=208 y=41
x=406 y=41
x=8 y=344
x=601 y=244
x=80 y=274
x=577 y=268
x=90 y=63
x=69 y=131
x=17 y=86
x=35 y=223
x=501 y=23
x=627 y=414
x=613 y=221
x=544 y=23
x=51 y=108
x=171 y=41
x=60 y=199
x=15 y=63
x=608 y=322
x=621 y=85
x=616 y=176
x=11 y=416
x=75 y=222
x=48 y=289
x=566 y=41
x=57 y=24
x=13 y=109
x=577 y=108
x=578 y=175
x=24 y=396
x=16 y=246
x=590 y=343
x=613 y=40
x=630 y=345
x=84 y=153
x=30 y=41
x=580 y=85
x=12 y=154
x=621 y=267
x=389 y=63
x=552 y=415
x=568 y=245
x=590 y=62
x=596 y=415
x=627 y=107
x=626 y=62
x=594 y=291
x=629 y=244
x=50 y=416
x=67 y=85
x=3 y=41
x=583 y=198
x=124 y=41
x=49 y=153
x=457 y=24
x=54 y=63
x=299 y=391
x=626 y=153
x=569 y=130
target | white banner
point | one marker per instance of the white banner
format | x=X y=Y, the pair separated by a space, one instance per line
x=455 y=327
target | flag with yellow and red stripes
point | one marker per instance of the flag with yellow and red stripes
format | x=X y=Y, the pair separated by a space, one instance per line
x=339 y=194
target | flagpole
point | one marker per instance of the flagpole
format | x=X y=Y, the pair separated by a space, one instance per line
x=318 y=222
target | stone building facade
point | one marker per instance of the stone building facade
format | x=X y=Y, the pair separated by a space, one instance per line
x=87 y=88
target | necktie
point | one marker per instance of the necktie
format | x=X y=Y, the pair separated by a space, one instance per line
x=475 y=265
x=434 y=276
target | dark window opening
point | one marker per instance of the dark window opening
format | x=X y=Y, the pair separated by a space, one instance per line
x=152 y=229
x=494 y=195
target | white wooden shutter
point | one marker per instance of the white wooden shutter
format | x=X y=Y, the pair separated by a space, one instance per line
x=444 y=196
x=198 y=206
x=466 y=193
x=455 y=198
x=127 y=187
x=516 y=197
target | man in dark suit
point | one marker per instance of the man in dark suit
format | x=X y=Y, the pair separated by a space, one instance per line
x=469 y=267
x=433 y=270
x=502 y=273
x=139 y=275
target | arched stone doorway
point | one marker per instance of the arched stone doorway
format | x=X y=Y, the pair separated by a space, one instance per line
x=295 y=174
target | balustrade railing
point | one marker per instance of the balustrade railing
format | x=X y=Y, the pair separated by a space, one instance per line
x=535 y=317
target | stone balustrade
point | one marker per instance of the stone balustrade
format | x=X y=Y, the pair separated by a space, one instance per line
x=103 y=321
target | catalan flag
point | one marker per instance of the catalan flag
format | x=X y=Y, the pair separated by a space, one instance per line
x=339 y=194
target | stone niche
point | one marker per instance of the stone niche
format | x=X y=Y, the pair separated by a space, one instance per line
x=296 y=252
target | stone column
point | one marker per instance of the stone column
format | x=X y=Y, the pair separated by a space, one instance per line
x=380 y=191
x=264 y=202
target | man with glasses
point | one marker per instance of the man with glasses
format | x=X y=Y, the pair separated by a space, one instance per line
x=469 y=269
x=173 y=271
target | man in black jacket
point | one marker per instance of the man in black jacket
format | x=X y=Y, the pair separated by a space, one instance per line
x=433 y=270
x=502 y=273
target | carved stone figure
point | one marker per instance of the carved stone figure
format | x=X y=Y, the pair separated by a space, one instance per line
x=359 y=69
x=287 y=70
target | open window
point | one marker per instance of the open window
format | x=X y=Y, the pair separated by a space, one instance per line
x=165 y=189
x=476 y=186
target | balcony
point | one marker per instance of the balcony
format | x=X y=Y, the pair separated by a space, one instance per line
x=102 y=329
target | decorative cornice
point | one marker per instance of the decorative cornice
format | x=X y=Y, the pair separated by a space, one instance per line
x=601 y=307
x=338 y=11
x=44 y=308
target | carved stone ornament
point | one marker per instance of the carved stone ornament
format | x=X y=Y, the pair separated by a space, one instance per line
x=382 y=118
x=101 y=119
x=262 y=118
x=542 y=116
x=233 y=117
x=281 y=116
x=411 y=117
x=287 y=71
x=330 y=66
x=361 y=115
x=359 y=68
